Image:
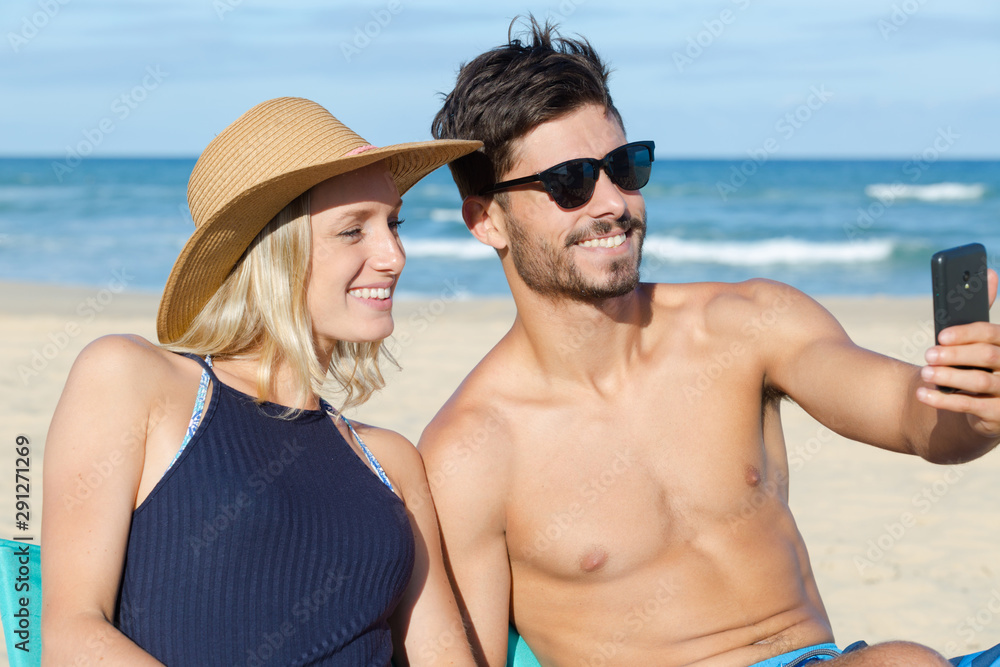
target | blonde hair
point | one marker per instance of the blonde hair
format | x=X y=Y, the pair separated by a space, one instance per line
x=260 y=312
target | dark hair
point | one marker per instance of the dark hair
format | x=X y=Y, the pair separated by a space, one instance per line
x=508 y=91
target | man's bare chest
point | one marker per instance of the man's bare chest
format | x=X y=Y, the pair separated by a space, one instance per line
x=601 y=487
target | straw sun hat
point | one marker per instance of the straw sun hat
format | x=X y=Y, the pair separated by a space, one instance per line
x=269 y=156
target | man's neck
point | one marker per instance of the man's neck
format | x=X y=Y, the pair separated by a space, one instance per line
x=589 y=342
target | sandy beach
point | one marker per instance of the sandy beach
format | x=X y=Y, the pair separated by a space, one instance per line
x=901 y=549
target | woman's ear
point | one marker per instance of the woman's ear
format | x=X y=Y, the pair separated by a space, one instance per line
x=483 y=216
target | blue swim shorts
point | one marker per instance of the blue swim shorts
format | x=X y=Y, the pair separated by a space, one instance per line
x=807 y=656
x=520 y=655
x=988 y=658
x=823 y=652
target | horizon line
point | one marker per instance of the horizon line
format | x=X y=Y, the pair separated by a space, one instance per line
x=678 y=158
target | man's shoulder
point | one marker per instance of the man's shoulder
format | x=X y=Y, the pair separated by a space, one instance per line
x=467 y=444
x=469 y=423
x=754 y=290
x=466 y=450
x=724 y=304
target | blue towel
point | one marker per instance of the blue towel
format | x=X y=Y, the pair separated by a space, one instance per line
x=518 y=653
x=21 y=601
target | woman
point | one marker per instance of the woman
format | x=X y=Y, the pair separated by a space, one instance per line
x=206 y=505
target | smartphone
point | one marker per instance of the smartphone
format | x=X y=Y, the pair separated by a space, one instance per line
x=961 y=292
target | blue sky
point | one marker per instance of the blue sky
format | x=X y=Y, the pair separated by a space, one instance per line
x=821 y=78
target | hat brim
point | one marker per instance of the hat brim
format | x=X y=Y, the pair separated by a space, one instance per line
x=213 y=250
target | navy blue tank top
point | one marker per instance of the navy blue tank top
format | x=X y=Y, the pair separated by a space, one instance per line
x=268 y=542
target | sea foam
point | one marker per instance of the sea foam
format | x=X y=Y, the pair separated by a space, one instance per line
x=932 y=192
x=447 y=215
x=673 y=249
x=451 y=248
x=766 y=252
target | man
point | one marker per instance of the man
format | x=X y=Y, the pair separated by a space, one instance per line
x=582 y=494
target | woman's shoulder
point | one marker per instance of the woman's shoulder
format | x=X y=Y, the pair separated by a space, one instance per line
x=116 y=383
x=395 y=453
x=121 y=353
x=128 y=361
x=121 y=348
x=387 y=444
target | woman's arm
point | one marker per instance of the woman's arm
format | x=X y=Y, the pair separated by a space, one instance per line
x=94 y=457
x=427 y=626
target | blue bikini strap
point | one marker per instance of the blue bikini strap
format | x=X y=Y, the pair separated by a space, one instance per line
x=199 y=409
x=368 y=454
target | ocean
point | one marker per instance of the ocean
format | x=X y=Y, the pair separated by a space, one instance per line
x=828 y=227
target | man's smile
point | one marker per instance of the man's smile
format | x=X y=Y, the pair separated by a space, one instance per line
x=605 y=242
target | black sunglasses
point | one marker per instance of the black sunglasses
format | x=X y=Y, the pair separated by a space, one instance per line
x=571 y=183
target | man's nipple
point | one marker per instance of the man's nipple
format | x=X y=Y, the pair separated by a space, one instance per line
x=593 y=560
x=752 y=475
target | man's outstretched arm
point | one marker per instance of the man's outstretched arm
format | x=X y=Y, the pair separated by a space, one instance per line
x=872 y=398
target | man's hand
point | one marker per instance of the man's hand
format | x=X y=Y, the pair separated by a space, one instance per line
x=976 y=344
